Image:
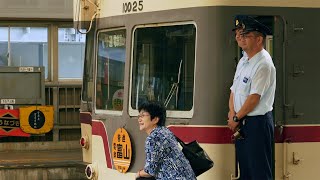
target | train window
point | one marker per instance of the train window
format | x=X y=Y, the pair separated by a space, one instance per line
x=24 y=46
x=71 y=46
x=111 y=51
x=163 y=66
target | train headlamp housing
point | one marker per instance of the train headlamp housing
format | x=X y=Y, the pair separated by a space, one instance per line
x=91 y=171
x=84 y=142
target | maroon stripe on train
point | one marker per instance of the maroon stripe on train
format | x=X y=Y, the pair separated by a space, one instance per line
x=222 y=135
x=299 y=134
x=86 y=118
x=210 y=135
x=98 y=128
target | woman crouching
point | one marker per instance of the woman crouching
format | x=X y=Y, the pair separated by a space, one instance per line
x=164 y=158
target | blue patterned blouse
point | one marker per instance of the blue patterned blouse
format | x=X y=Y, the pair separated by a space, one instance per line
x=164 y=158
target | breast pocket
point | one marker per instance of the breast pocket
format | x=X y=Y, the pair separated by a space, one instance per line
x=244 y=86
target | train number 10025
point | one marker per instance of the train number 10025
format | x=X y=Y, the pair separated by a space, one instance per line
x=132 y=6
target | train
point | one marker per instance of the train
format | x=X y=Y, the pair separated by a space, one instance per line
x=184 y=54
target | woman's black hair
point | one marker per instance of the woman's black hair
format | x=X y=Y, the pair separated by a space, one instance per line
x=155 y=109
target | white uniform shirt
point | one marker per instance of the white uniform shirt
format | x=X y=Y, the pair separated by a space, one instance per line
x=255 y=76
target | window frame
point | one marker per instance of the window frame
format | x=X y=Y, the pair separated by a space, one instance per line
x=105 y=111
x=170 y=113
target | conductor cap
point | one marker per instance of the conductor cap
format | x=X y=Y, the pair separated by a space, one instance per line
x=249 y=24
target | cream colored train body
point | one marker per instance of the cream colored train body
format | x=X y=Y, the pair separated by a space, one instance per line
x=183 y=53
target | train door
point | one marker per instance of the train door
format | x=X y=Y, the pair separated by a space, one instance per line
x=301 y=96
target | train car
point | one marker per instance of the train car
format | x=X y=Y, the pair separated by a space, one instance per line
x=184 y=54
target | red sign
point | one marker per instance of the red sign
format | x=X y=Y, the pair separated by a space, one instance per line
x=10 y=123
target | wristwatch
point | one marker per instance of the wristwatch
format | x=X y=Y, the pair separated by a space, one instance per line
x=235 y=118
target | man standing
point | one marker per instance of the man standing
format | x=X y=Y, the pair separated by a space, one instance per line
x=251 y=102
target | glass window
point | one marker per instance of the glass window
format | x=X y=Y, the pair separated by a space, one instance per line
x=28 y=46
x=4 y=46
x=163 y=66
x=71 y=48
x=110 y=70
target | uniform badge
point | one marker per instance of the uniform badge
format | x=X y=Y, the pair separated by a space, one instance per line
x=245 y=79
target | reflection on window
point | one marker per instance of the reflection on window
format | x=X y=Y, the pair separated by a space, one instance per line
x=28 y=46
x=110 y=70
x=163 y=66
x=71 y=53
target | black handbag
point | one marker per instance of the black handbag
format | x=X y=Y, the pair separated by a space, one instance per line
x=198 y=158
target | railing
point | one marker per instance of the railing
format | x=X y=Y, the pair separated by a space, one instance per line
x=66 y=101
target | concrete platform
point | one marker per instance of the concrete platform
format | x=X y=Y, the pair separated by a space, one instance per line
x=42 y=165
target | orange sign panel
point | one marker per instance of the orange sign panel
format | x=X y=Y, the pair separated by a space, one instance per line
x=121 y=150
x=36 y=119
x=10 y=123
